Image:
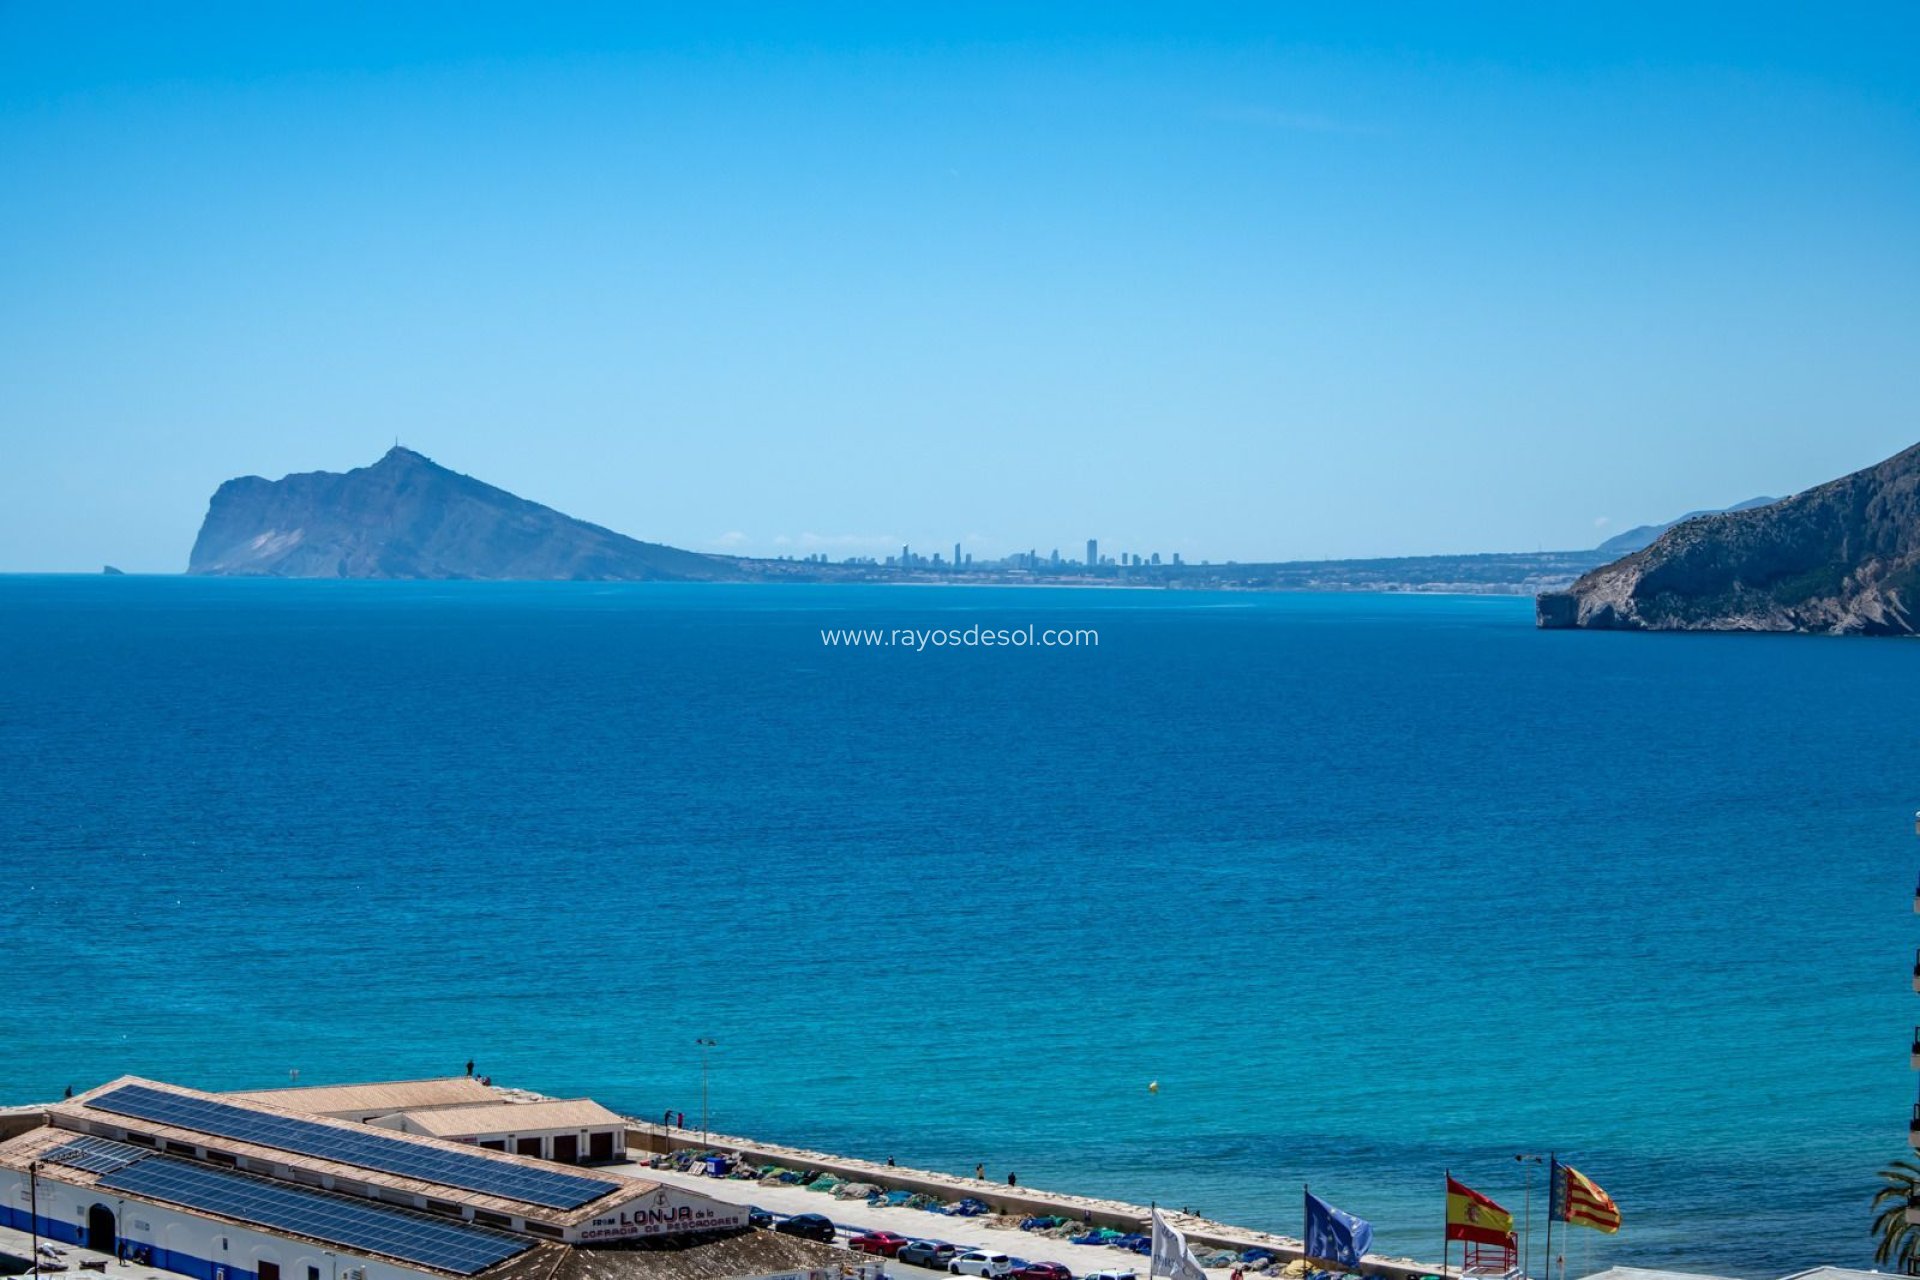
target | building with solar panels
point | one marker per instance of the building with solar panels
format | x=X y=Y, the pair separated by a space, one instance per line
x=569 y=1130
x=226 y=1188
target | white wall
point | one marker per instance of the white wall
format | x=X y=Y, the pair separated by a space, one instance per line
x=239 y=1249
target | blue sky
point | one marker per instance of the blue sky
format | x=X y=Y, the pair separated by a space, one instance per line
x=1241 y=282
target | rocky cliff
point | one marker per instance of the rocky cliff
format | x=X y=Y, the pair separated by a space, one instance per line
x=1634 y=539
x=1843 y=558
x=407 y=517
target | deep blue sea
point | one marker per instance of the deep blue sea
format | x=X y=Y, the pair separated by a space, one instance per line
x=1373 y=886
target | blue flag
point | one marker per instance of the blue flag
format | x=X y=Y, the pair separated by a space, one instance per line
x=1334 y=1236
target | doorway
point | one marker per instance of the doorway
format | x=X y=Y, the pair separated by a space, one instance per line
x=102 y=1232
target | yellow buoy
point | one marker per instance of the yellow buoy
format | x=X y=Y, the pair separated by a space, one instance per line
x=1153 y=1086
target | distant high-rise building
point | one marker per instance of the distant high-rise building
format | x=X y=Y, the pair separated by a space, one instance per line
x=956 y=555
x=1093 y=553
x=1156 y=557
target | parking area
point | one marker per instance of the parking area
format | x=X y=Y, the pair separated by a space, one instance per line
x=853 y=1217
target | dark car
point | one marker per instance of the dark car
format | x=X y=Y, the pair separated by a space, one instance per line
x=808 y=1226
x=927 y=1253
x=1043 y=1271
x=885 y=1243
x=758 y=1217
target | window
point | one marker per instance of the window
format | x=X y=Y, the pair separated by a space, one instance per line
x=269 y=1270
x=486 y=1219
x=313 y=1272
x=542 y=1229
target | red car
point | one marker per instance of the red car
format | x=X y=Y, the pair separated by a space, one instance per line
x=1043 y=1271
x=884 y=1243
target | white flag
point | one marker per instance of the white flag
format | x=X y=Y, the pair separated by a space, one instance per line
x=1171 y=1257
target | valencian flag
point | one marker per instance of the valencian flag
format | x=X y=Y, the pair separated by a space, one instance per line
x=1335 y=1236
x=1475 y=1218
x=1574 y=1199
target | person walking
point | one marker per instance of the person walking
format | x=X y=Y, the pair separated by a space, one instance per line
x=1012 y=1181
x=980 y=1173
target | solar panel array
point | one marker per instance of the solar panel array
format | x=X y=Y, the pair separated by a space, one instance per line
x=338 y=1219
x=368 y=1148
x=95 y=1155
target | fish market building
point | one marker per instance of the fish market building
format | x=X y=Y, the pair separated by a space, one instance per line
x=369 y=1102
x=228 y=1188
x=565 y=1130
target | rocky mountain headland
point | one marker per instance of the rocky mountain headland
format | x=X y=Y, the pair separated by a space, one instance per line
x=1634 y=539
x=1842 y=558
x=408 y=517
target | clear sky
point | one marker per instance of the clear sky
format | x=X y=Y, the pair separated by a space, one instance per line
x=1262 y=281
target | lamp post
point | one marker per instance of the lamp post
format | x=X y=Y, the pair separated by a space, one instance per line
x=705 y=1044
x=1528 y=1159
x=33 y=1211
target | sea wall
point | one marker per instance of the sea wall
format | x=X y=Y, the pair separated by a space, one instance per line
x=1202 y=1233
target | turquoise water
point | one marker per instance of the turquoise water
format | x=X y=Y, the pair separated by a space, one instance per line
x=1374 y=886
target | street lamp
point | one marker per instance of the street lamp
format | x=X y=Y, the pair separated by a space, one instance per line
x=1526 y=1230
x=705 y=1044
x=33 y=1211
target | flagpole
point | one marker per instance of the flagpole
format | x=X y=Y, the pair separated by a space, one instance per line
x=1553 y=1175
x=1444 y=1235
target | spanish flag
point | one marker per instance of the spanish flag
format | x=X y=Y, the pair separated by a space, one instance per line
x=1573 y=1198
x=1474 y=1218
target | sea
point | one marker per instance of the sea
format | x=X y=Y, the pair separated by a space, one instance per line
x=1371 y=887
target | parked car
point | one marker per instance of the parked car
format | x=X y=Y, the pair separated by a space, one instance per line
x=1042 y=1271
x=808 y=1226
x=979 y=1262
x=926 y=1253
x=758 y=1217
x=1111 y=1275
x=885 y=1243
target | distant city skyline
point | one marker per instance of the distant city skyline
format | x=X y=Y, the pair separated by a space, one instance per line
x=1248 y=284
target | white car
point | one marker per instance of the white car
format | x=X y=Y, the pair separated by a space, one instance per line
x=1110 y=1275
x=978 y=1262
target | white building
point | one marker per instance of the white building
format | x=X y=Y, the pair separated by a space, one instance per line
x=365 y=1102
x=569 y=1130
x=226 y=1188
